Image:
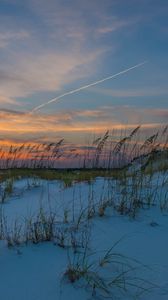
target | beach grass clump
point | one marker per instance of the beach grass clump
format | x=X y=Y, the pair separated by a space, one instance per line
x=6 y=189
x=111 y=150
x=109 y=276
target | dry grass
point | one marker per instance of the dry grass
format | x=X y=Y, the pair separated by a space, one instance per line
x=104 y=152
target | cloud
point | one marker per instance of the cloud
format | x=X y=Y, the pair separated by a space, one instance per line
x=7 y=100
x=63 y=44
x=10 y=112
x=113 y=25
x=23 y=126
x=133 y=92
x=7 y=37
x=159 y=113
x=55 y=51
x=48 y=71
x=79 y=22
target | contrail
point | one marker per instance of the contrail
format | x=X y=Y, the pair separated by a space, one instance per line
x=85 y=87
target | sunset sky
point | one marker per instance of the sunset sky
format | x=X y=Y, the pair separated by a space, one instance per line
x=50 y=47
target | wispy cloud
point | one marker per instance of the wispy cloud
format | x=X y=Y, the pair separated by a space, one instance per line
x=148 y=91
x=87 y=86
x=47 y=71
x=22 y=125
x=7 y=37
x=64 y=57
x=49 y=47
x=113 y=25
x=63 y=44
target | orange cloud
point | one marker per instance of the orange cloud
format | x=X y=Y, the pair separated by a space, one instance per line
x=28 y=126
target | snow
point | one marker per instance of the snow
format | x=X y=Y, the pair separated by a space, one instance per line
x=35 y=272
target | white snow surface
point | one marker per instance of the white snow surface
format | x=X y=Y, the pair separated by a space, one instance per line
x=35 y=272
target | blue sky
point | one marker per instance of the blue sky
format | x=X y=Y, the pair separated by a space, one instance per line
x=50 y=47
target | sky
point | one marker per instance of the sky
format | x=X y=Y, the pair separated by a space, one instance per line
x=48 y=48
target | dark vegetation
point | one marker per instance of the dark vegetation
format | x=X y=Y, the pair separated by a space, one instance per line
x=134 y=178
x=105 y=152
x=105 y=158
